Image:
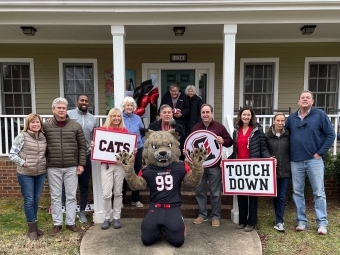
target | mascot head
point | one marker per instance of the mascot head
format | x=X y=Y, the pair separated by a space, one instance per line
x=161 y=148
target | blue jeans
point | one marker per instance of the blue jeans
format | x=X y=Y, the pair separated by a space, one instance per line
x=214 y=176
x=314 y=169
x=279 y=201
x=31 y=187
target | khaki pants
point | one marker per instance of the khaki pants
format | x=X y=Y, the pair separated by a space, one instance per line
x=112 y=177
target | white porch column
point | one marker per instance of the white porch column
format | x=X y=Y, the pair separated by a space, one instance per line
x=118 y=40
x=228 y=90
x=97 y=193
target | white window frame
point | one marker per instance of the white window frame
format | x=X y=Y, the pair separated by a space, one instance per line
x=31 y=63
x=244 y=61
x=92 y=61
x=309 y=60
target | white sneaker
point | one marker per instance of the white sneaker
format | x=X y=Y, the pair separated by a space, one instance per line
x=322 y=230
x=137 y=204
x=301 y=226
x=280 y=227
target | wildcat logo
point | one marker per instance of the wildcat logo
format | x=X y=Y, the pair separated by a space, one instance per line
x=206 y=139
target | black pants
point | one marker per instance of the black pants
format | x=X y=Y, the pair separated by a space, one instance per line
x=170 y=220
x=137 y=167
x=83 y=184
x=247 y=211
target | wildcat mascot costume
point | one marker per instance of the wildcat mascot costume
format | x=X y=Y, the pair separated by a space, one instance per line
x=164 y=174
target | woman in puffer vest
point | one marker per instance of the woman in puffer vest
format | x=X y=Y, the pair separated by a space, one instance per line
x=28 y=153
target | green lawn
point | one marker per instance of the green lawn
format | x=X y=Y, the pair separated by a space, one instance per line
x=14 y=240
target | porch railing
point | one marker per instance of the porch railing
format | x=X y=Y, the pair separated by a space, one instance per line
x=11 y=126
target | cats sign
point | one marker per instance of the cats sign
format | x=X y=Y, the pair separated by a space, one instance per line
x=108 y=143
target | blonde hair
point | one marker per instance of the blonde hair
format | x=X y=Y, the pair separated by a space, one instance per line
x=29 y=118
x=108 y=121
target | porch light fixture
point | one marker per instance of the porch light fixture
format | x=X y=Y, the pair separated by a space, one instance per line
x=179 y=31
x=28 y=31
x=308 y=29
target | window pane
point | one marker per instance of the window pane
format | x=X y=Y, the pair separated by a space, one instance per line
x=6 y=71
x=27 y=100
x=322 y=71
x=331 y=85
x=69 y=73
x=333 y=71
x=268 y=71
x=15 y=71
x=9 y=100
x=268 y=86
x=89 y=86
x=320 y=100
x=25 y=71
x=258 y=71
x=79 y=87
x=313 y=71
x=88 y=73
x=7 y=85
x=258 y=86
x=18 y=101
x=313 y=84
x=16 y=86
x=79 y=73
x=322 y=85
x=249 y=71
x=26 y=86
x=69 y=87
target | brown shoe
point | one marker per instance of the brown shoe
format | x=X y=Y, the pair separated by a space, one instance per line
x=73 y=228
x=215 y=223
x=199 y=220
x=55 y=230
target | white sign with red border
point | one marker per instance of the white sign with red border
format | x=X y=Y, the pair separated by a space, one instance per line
x=206 y=139
x=107 y=143
x=252 y=177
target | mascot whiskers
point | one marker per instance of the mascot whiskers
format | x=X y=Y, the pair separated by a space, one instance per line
x=164 y=174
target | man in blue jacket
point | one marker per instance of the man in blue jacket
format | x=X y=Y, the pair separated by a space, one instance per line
x=311 y=136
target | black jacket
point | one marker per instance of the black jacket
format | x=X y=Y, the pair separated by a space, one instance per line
x=257 y=143
x=195 y=103
x=280 y=148
x=182 y=104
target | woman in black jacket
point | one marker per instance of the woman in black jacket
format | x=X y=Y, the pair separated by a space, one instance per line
x=278 y=146
x=195 y=103
x=249 y=142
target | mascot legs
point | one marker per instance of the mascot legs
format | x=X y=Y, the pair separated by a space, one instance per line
x=170 y=220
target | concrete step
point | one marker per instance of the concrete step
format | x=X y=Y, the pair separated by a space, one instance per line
x=188 y=211
x=188 y=197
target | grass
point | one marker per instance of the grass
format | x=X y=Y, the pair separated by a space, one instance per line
x=14 y=240
x=292 y=242
x=13 y=231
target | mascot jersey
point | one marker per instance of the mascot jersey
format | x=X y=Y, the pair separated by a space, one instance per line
x=165 y=182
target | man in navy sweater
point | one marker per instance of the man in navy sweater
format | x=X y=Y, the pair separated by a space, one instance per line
x=311 y=136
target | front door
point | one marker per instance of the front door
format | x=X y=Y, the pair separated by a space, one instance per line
x=182 y=78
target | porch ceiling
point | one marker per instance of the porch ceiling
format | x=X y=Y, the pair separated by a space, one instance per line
x=205 y=33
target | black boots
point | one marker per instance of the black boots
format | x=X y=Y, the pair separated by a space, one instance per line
x=32 y=230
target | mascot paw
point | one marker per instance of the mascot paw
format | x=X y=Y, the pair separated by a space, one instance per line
x=198 y=155
x=125 y=159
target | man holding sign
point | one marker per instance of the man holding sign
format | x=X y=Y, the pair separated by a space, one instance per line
x=213 y=174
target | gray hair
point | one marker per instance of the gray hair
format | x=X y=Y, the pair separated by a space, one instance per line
x=129 y=100
x=306 y=91
x=163 y=106
x=174 y=85
x=192 y=87
x=59 y=100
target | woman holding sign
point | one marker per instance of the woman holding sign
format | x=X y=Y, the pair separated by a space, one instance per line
x=112 y=174
x=278 y=145
x=249 y=142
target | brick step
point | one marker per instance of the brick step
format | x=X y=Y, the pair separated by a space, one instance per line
x=188 y=211
x=188 y=197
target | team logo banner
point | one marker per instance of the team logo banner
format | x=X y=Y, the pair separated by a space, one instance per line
x=252 y=177
x=108 y=143
x=206 y=139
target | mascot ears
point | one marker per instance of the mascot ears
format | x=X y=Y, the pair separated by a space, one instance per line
x=171 y=131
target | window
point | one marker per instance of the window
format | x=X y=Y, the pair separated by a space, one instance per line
x=259 y=84
x=16 y=88
x=79 y=76
x=323 y=81
x=79 y=80
x=259 y=87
